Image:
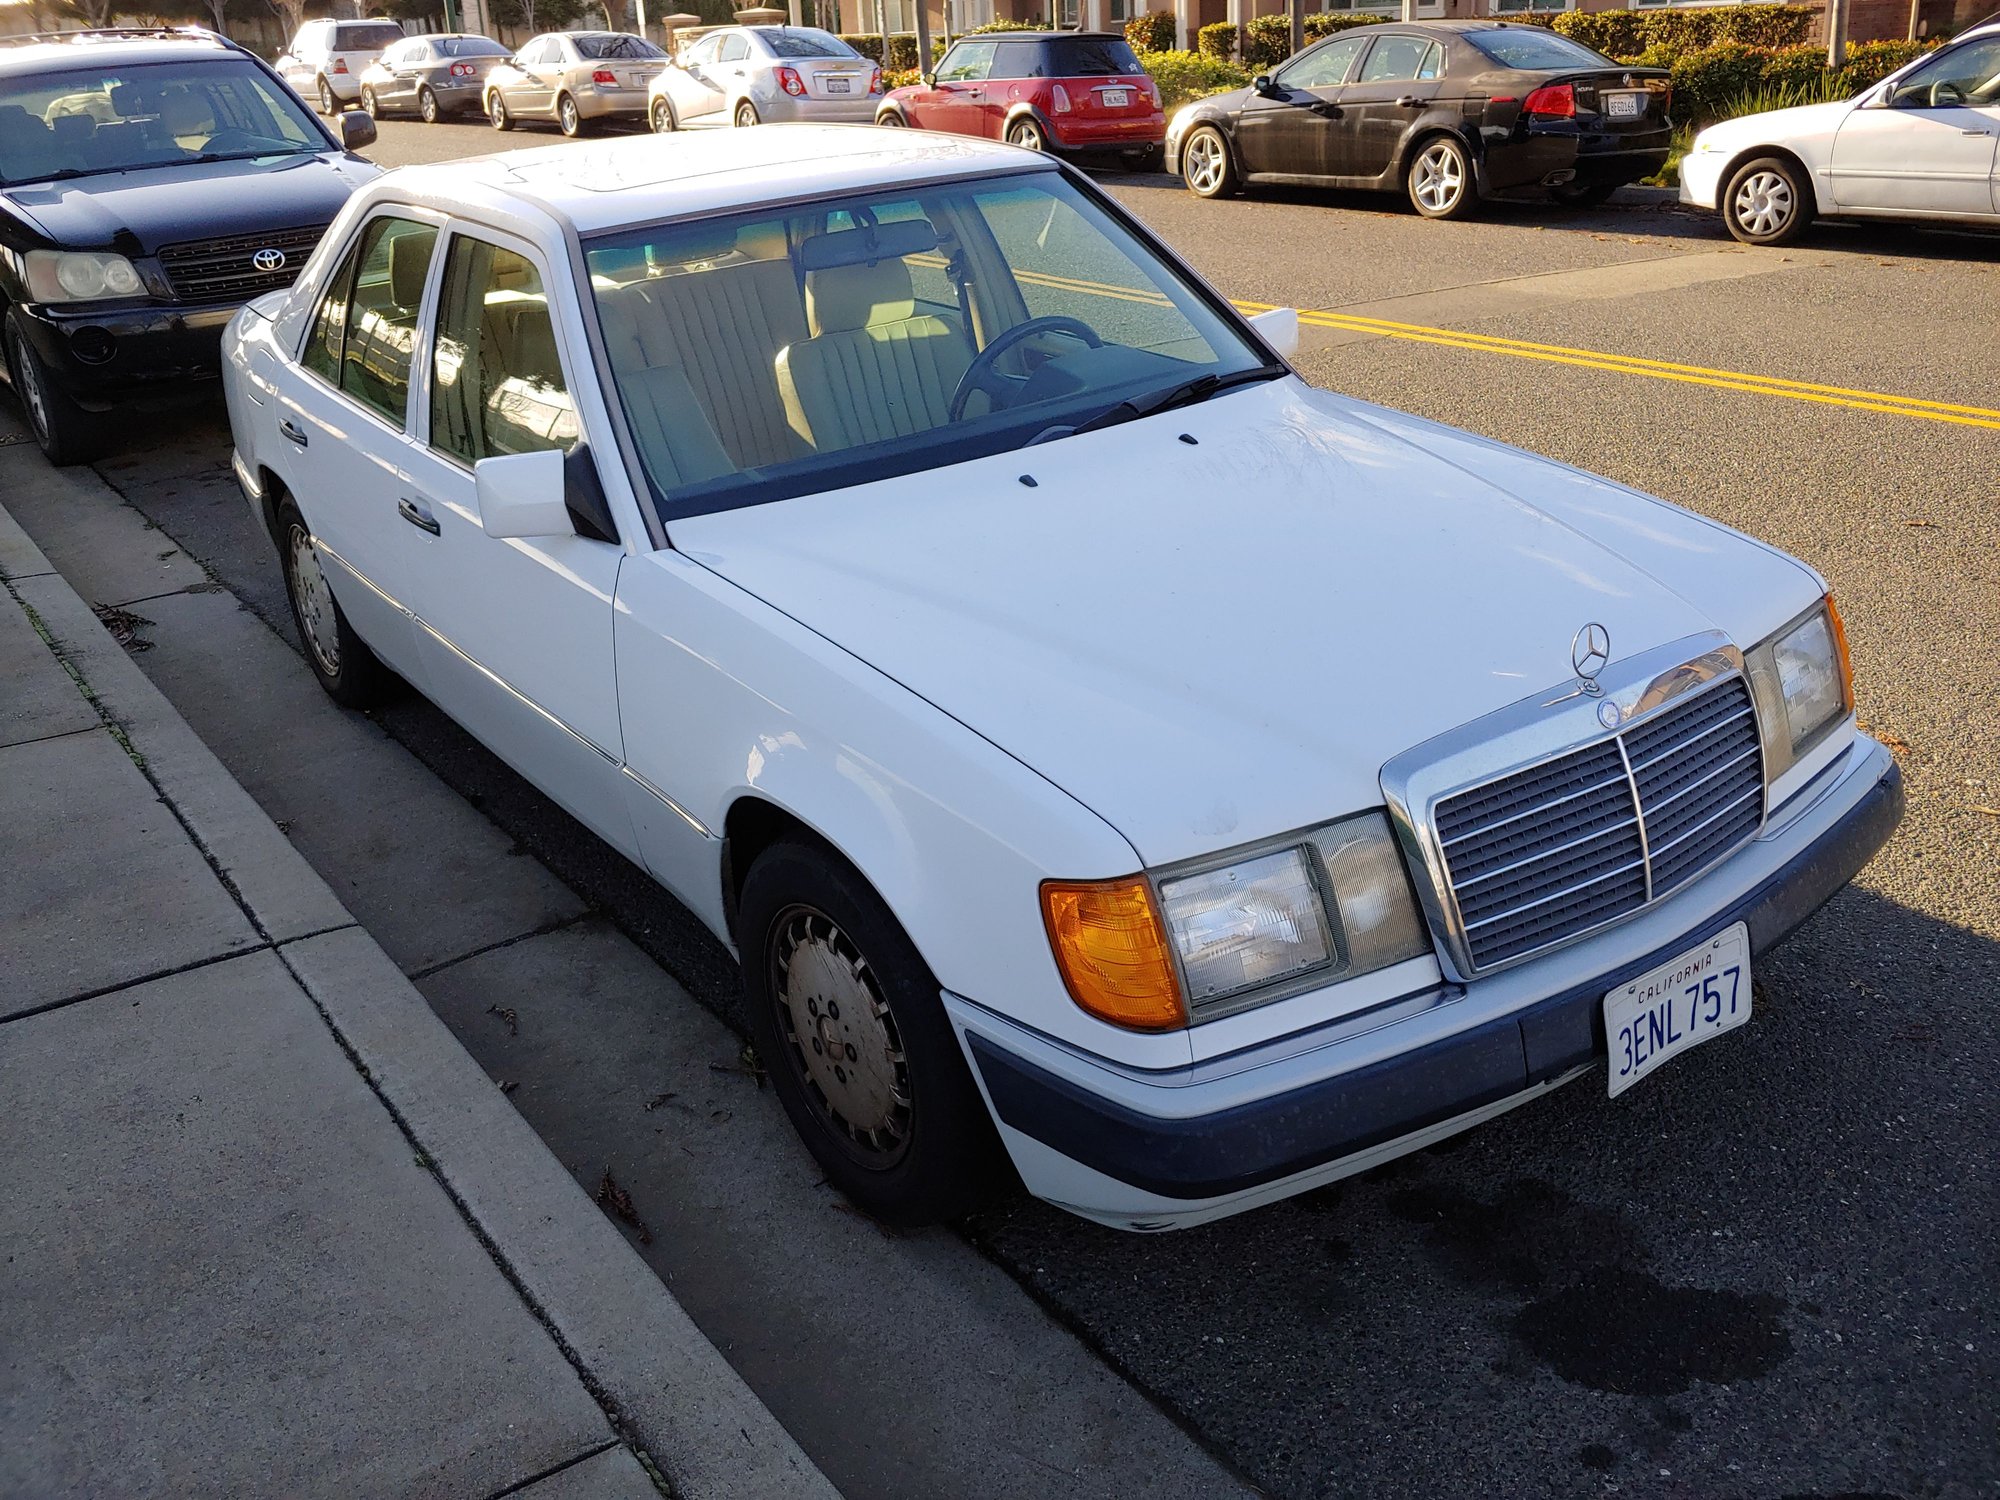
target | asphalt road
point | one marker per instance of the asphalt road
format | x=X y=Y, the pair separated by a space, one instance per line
x=1770 y=1270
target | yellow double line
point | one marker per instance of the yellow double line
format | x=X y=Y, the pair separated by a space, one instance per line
x=1588 y=359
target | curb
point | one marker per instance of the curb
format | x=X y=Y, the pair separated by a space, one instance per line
x=664 y=1385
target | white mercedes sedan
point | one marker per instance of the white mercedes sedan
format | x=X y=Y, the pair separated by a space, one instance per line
x=1114 y=761
x=1922 y=144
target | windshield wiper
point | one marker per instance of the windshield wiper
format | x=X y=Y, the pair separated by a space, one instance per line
x=1187 y=393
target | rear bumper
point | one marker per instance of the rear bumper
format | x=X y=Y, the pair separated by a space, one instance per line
x=1137 y=133
x=1163 y=1151
x=786 y=110
x=598 y=104
x=101 y=356
x=1584 y=159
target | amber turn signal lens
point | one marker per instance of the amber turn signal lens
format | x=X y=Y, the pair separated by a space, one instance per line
x=1112 y=950
x=1840 y=649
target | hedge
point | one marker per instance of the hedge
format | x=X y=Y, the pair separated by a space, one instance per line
x=868 y=44
x=1217 y=40
x=1323 y=23
x=1710 y=82
x=1706 y=80
x=1152 y=32
x=1625 y=34
x=1266 y=42
x=1868 y=63
x=1191 y=75
x=1006 y=26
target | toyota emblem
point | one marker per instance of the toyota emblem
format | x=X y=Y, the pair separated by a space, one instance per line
x=1590 y=652
x=268 y=260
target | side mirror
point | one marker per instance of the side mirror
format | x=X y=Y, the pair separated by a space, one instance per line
x=356 y=129
x=522 y=494
x=1279 y=328
x=1263 y=85
x=930 y=80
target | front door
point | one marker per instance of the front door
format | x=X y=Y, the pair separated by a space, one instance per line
x=692 y=85
x=1398 y=80
x=1930 y=143
x=1292 y=129
x=957 y=101
x=514 y=634
x=539 y=67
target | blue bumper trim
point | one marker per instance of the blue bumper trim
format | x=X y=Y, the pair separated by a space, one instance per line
x=1211 y=1156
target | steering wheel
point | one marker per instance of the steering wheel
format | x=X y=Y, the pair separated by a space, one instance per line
x=980 y=376
x=234 y=142
x=1945 y=93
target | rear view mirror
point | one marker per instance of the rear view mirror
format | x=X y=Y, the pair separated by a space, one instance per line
x=1279 y=328
x=356 y=130
x=522 y=495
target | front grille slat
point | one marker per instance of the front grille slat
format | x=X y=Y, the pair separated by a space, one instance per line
x=1547 y=853
x=212 y=270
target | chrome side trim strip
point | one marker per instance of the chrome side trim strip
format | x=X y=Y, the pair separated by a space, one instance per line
x=672 y=806
x=513 y=692
x=362 y=578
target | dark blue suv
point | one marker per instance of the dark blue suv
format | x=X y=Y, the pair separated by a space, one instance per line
x=151 y=182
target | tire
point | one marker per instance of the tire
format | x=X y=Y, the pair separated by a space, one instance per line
x=569 y=119
x=745 y=116
x=662 y=117
x=1767 y=202
x=892 y=119
x=1439 y=179
x=1206 y=168
x=1596 y=195
x=352 y=675
x=328 y=105
x=1027 y=134
x=64 y=431
x=496 y=112
x=427 y=106
x=919 y=1147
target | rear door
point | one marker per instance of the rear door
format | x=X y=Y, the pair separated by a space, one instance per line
x=1292 y=129
x=1398 y=81
x=1931 y=143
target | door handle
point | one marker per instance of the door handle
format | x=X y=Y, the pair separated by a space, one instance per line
x=417 y=515
x=1410 y=101
x=1975 y=132
x=1325 y=111
x=291 y=431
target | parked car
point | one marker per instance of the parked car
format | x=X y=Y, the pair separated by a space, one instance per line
x=1922 y=144
x=327 y=58
x=1066 y=92
x=150 y=182
x=431 y=76
x=1449 y=112
x=749 y=75
x=575 y=78
x=1102 y=749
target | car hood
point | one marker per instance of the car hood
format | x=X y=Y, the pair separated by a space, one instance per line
x=1781 y=124
x=136 y=212
x=1213 y=643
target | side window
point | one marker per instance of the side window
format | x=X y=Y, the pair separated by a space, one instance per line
x=702 y=52
x=1018 y=60
x=393 y=260
x=496 y=380
x=1964 y=76
x=735 y=47
x=1396 y=58
x=969 y=62
x=1325 y=68
x=321 y=354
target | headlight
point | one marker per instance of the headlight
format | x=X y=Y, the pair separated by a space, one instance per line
x=1803 y=682
x=1203 y=943
x=80 y=276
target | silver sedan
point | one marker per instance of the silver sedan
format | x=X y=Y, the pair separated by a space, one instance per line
x=431 y=76
x=749 y=75
x=574 y=78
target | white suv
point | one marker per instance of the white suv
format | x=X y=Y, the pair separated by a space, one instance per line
x=325 y=59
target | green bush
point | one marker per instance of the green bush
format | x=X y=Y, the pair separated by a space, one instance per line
x=1626 y=34
x=1868 y=63
x=1218 y=39
x=1007 y=26
x=1795 y=67
x=1152 y=32
x=1704 y=81
x=1266 y=42
x=1615 y=33
x=868 y=44
x=1191 y=75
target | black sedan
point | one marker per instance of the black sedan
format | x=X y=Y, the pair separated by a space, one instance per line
x=1447 y=111
x=150 y=185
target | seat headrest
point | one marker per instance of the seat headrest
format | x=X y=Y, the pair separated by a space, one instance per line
x=73 y=129
x=183 y=112
x=875 y=242
x=843 y=298
x=409 y=260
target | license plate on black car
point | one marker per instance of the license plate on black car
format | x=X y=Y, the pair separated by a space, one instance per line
x=1624 y=106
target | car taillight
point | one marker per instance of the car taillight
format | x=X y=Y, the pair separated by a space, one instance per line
x=1153 y=91
x=875 y=82
x=791 y=83
x=340 y=65
x=463 y=70
x=1557 y=100
x=1062 y=100
x=603 y=75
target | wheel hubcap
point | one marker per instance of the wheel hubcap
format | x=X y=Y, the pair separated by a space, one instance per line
x=1204 y=164
x=1440 y=178
x=429 y=105
x=1027 y=135
x=1764 y=203
x=569 y=117
x=745 y=118
x=842 y=1036
x=315 y=603
x=29 y=384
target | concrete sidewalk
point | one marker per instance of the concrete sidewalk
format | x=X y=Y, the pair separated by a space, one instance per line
x=268 y=1229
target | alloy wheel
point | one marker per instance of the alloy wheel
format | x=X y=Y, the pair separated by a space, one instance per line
x=1027 y=134
x=427 y=106
x=368 y=106
x=313 y=601
x=746 y=115
x=570 y=118
x=326 y=99
x=1764 y=203
x=1203 y=164
x=663 y=117
x=1438 y=180
x=28 y=386
x=842 y=1038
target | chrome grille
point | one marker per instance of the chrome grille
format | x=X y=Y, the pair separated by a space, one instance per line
x=1553 y=851
x=216 y=270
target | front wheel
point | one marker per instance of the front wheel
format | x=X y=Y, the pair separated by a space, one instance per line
x=1028 y=135
x=746 y=115
x=1439 y=179
x=427 y=106
x=496 y=112
x=845 y=1016
x=65 y=432
x=1767 y=202
x=662 y=116
x=1205 y=164
x=892 y=119
x=351 y=674
x=568 y=117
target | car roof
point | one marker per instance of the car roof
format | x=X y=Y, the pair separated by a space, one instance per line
x=88 y=49
x=619 y=183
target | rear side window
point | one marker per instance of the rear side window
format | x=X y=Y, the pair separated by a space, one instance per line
x=1399 y=58
x=497 y=383
x=1019 y=60
x=1091 y=57
x=1531 y=48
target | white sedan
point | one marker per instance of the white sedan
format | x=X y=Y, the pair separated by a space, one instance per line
x=1922 y=144
x=1108 y=754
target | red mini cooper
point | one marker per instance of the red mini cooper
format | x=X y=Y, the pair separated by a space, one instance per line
x=1067 y=92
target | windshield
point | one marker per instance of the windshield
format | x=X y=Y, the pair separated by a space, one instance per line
x=773 y=354
x=468 y=46
x=1530 y=48
x=90 y=120
x=805 y=43
x=625 y=47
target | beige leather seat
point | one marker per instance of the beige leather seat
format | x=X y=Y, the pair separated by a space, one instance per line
x=675 y=437
x=874 y=368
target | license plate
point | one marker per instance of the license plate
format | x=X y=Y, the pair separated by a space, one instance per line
x=1117 y=98
x=838 y=85
x=1625 y=106
x=1681 y=1004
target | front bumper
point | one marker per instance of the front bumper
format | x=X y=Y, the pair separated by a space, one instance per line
x=103 y=355
x=1166 y=1150
x=1701 y=177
